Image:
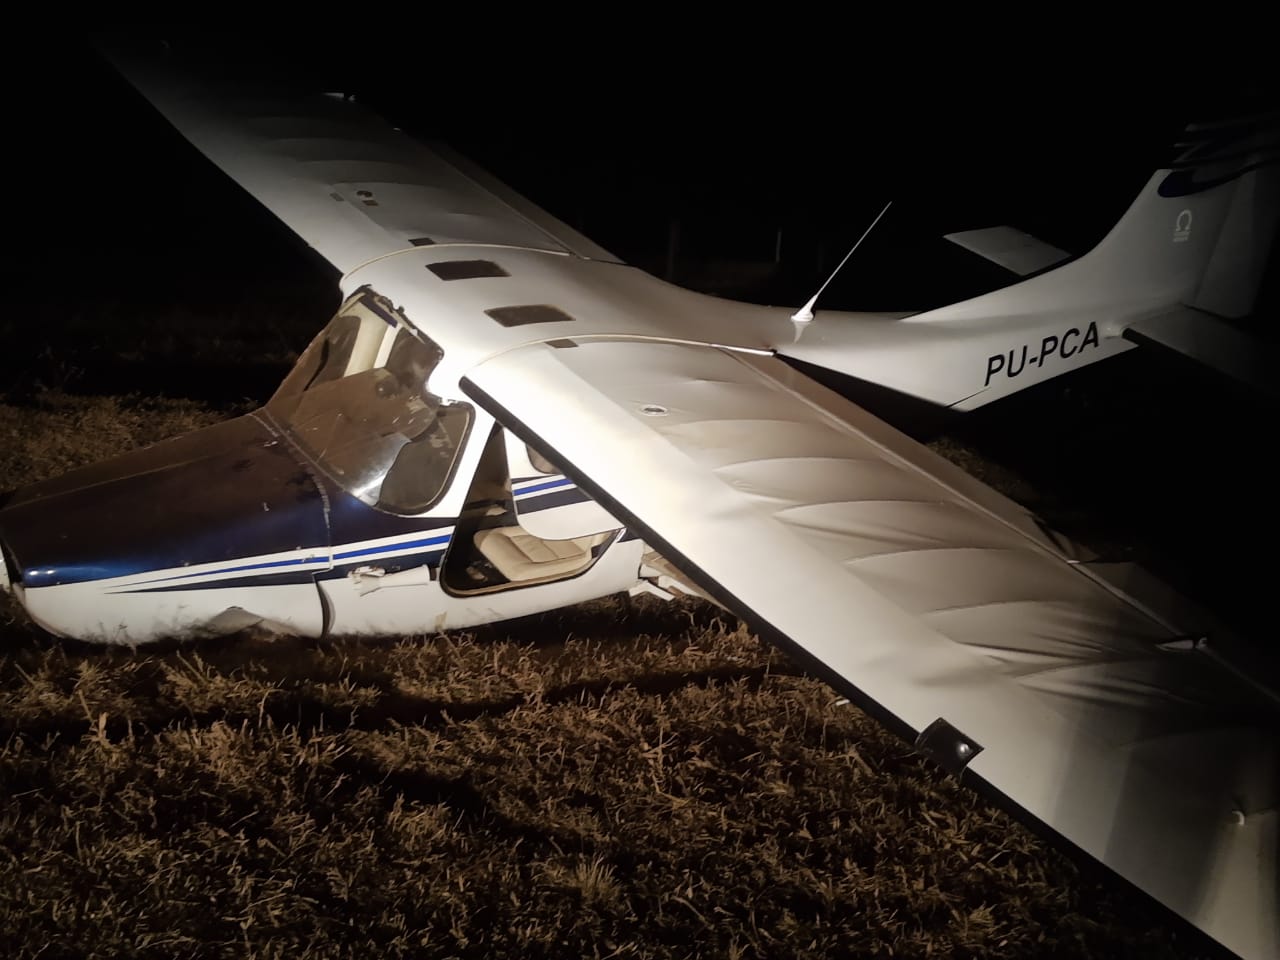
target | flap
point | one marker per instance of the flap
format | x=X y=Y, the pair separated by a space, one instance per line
x=548 y=504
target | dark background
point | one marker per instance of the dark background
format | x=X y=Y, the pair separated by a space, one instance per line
x=637 y=132
x=622 y=135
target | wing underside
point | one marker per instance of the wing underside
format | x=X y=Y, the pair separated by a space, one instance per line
x=937 y=603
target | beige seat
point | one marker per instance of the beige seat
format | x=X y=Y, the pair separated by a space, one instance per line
x=520 y=556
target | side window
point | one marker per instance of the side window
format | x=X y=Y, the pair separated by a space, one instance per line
x=539 y=462
x=423 y=466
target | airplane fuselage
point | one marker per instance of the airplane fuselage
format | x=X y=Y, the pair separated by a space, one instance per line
x=269 y=519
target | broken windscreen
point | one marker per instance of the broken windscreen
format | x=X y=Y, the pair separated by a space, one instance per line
x=357 y=403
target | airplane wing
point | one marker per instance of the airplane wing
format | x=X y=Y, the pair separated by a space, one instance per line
x=351 y=185
x=937 y=604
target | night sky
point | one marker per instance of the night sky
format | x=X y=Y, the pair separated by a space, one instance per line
x=734 y=138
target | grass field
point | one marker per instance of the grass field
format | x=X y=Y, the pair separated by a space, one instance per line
x=621 y=779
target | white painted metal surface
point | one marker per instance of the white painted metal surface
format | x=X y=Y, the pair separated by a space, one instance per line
x=103 y=613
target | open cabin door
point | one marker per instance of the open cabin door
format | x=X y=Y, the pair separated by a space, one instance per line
x=548 y=504
x=522 y=524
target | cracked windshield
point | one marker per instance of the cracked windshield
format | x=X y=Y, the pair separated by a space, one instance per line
x=357 y=403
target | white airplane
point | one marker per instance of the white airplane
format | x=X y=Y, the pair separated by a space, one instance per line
x=503 y=418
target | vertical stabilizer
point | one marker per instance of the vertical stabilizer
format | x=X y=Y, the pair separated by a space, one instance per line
x=1198 y=234
x=1204 y=226
x=1230 y=281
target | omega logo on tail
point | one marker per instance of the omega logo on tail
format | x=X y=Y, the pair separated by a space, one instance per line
x=1016 y=360
x=1182 y=227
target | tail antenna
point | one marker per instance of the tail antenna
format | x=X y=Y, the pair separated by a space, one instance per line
x=805 y=313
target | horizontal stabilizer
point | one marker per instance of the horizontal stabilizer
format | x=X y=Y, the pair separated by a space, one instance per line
x=1009 y=248
x=1211 y=341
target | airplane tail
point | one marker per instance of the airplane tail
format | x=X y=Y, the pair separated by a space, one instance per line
x=1201 y=230
x=1191 y=251
x=1198 y=234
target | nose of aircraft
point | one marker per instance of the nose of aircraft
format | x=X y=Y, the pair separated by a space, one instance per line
x=229 y=492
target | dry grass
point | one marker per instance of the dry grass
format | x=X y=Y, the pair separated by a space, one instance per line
x=669 y=790
x=615 y=780
x=54 y=431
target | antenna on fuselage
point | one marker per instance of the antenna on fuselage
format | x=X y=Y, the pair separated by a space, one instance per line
x=805 y=313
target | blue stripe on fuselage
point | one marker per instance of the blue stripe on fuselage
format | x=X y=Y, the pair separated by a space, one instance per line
x=387 y=547
x=364 y=553
x=429 y=558
x=547 y=485
x=265 y=565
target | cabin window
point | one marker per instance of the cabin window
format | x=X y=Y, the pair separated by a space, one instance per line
x=357 y=403
x=539 y=462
